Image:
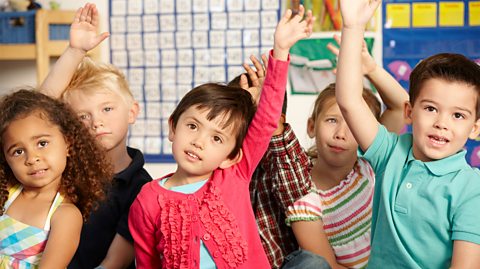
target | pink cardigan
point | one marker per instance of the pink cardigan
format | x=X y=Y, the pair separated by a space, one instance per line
x=167 y=226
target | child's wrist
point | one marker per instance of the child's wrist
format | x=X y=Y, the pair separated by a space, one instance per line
x=280 y=53
x=77 y=51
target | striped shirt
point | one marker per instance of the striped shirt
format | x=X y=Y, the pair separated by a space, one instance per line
x=346 y=212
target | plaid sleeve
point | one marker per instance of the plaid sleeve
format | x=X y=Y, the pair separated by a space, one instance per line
x=289 y=168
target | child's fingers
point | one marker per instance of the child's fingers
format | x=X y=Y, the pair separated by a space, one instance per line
x=301 y=12
x=337 y=39
x=243 y=82
x=251 y=73
x=265 y=61
x=258 y=66
x=77 y=15
x=94 y=16
x=84 y=14
x=286 y=16
x=333 y=49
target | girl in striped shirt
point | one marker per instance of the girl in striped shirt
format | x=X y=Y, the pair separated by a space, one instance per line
x=334 y=222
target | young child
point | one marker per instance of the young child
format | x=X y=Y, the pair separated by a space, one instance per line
x=334 y=222
x=281 y=178
x=52 y=173
x=100 y=96
x=201 y=216
x=426 y=195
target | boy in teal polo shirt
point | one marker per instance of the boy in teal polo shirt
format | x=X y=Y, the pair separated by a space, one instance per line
x=426 y=195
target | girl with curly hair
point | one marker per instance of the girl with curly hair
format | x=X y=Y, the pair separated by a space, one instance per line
x=52 y=174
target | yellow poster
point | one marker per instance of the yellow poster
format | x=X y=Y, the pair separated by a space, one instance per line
x=424 y=14
x=398 y=16
x=452 y=14
x=474 y=13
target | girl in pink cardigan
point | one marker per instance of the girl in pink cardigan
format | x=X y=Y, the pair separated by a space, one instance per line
x=201 y=216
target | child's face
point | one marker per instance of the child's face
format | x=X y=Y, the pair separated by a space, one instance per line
x=106 y=115
x=200 y=146
x=442 y=118
x=36 y=151
x=335 y=144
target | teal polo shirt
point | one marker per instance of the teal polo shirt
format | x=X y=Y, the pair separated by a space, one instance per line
x=419 y=208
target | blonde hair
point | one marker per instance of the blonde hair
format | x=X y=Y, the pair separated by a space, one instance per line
x=91 y=77
x=327 y=94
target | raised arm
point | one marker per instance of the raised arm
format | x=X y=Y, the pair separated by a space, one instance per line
x=83 y=37
x=349 y=87
x=392 y=93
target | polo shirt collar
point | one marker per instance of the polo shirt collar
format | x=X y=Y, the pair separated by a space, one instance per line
x=137 y=163
x=443 y=166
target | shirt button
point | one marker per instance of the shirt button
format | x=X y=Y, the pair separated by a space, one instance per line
x=206 y=237
x=194 y=218
x=216 y=254
x=409 y=185
x=191 y=197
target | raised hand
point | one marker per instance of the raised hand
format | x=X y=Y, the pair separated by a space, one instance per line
x=291 y=29
x=83 y=31
x=357 y=13
x=256 y=77
x=368 y=63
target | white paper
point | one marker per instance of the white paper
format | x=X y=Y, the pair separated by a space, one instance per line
x=150 y=40
x=185 y=57
x=217 y=74
x=118 y=25
x=153 y=145
x=135 y=58
x=200 y=6
x=184 y=75
x=168 y=75
x=269 y=19
x=183 y=6
x=267 y=37
x=167 y=108
x=138 y=128
x=152 y=58
x=182 y=89
x=202 y=75
x=152 y=92
x=252 y=20
x=168 y=93
x=166 y=145
x=119 y=58
x=200 y=39
x=217 y=56
x=270 y=4
x=167 y=6
x=183 y=39
x=166 y=40
x=150 y=23
x=136 y=142
x=201 y=21
x=217 y=5
x=137 y=92
x=235 y=20
x=169 y=58
x=135 y=7
x=234 y=56
x=153 y=112
x=150 y=6
x=184 y=22
x=234 y=38
x=135 y=76
x=134 y=41
x=234 y=70
x=252 y=5
x=217 y=39
x=117 y=41
x=234 y=5
x=247 y=52
x=119 y=8
x=219 y=21
x=134 y=24
x=167 y=23
x=202 y=57
x=251 y=38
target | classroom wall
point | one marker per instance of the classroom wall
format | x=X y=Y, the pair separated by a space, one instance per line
x=19 y=73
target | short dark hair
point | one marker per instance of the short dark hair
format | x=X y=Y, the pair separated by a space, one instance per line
x=234 y=103
x=450 y=67
x=236 y=83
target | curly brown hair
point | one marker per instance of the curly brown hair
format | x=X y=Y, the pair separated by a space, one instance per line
x=88 y=172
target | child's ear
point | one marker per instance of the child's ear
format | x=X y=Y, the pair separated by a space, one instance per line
x=311 y=128
x=475 y=130
x=229 y=162
x=133 y=113
x=407 y=112
x=171 y=130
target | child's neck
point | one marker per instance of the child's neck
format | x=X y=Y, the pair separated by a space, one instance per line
x=326 y=176
x=119 y=158
x=179 y=179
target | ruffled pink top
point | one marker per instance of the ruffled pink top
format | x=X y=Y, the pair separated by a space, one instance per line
x=167 y=226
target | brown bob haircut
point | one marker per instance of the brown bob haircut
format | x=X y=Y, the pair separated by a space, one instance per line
x=449 y=67
x=233 y=104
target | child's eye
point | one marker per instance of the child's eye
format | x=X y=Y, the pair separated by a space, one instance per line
x=17 y=152
x=458 y=115
x=217 y=139
x=84 y=117
x=42 y=143
x=191 y=126
x=430 y=109
x=108 y=109
x=331 y=120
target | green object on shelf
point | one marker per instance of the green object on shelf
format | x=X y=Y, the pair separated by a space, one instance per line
x=54 y=5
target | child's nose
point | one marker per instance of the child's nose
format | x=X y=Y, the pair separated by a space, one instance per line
x=441 y=123
x=32 y=158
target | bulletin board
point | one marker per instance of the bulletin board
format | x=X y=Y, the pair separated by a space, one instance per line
x=165 y=48
x=414 y=30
